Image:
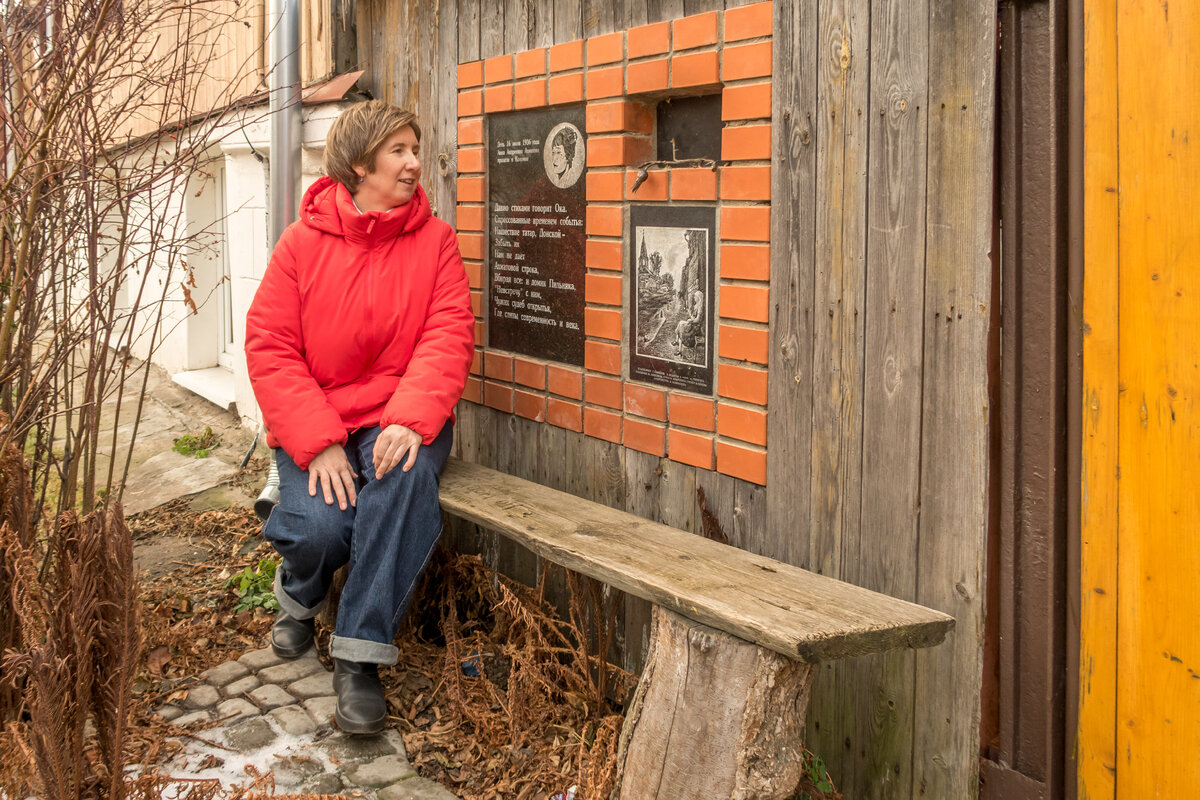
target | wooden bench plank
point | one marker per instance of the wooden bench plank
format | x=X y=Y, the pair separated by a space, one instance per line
x=792 y=611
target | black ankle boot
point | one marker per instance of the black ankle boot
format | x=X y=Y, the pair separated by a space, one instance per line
x=291 y=637
x=360 y=704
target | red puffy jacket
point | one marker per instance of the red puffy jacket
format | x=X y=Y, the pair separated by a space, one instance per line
x=360 y=320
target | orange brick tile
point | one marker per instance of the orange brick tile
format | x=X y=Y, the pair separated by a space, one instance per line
x=744 y=424
x=498 y=68
x=647 y=76
x=473 y=391
x=470 y=245
x=469 y=189
x=529 y=63
x=530 y=406
x=470 y=74
x=742 y=462
x=604 y=254
x=566 y=88
x=645 y=437
x=646 y=401
x=696 y=183
x=750 y=262
x=530 y=94
x=477 y=304
x=601 y=391
x=498 y=366
x=602 y=357
x=605 y=49
x=470 y=159
x=749 y=303
x=602 y=424
x=470 y=131
x=697 y=30
x=564 y=414
x=606 y=82
x=474 y=274
x=470 y=218
x=564 y=381
x=745 y=183
x=603 y=289
x=604 y=220
x=604 y=186
x=613 y=151
x=566 y=56
x=743 y=344
x=498 y=396
x=529 y=373
x=470 y=103
x=653 y=188
x=742 y=383
x=695 y=69
x=746 y=224
x=693 y=412
x=690 y=448
x=480 y=331
x=750 y=101
x=477 y=363
x=746 y=142
x=649 y=40
x=498 y=98
x=746 y=61
x=748 y=22
x=602 y=323
x=619 y=115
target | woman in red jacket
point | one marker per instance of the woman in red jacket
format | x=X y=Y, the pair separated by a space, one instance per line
x=358 y=344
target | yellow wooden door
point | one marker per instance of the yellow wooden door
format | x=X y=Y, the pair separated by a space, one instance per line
x=1139 y=729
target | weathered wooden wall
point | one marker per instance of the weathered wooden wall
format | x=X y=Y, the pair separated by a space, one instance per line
x=881 y=307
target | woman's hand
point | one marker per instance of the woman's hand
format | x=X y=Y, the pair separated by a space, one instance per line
x=392 y=445
x=331 y=469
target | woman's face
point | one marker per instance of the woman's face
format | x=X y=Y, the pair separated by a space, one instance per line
x=558 y=158
x=397 y=172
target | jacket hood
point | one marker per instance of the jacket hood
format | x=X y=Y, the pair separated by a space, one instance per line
x=329 y=207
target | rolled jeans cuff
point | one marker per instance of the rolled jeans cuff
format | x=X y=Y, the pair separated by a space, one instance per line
x=363 y=650
x=288 y=604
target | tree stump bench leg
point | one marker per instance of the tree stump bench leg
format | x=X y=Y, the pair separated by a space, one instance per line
x=714 y=716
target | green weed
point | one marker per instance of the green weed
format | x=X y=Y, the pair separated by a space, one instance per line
x=255 y=586
x=197 y=446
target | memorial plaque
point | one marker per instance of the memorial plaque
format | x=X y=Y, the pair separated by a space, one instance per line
x=671 y=296
x=536 y=234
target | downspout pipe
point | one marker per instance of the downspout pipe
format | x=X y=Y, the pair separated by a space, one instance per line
x=284 y=187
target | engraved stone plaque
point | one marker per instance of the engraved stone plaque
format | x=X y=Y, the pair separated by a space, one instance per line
x=671 y=296
x=536 y=235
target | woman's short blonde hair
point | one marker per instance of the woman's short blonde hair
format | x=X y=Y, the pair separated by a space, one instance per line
x=357 y=135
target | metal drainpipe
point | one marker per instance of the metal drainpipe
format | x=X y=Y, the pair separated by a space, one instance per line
x=284 y=51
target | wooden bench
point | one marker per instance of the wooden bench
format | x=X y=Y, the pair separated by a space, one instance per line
x=734 y=636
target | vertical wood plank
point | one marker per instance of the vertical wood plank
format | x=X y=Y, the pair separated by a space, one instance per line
x=568 y=20
x=468 y=30
x=519 y=24
x=598 y=17
x=1158 y=653
x=491 y=30
x=887 y=555
x=954 y=429
x=838 y=340
x=1097 y=746
x=793 y=231
x=445 y=139
x=661 y=10
x=642 y=482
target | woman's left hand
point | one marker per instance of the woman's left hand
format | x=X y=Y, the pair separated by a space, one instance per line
x=392 y=445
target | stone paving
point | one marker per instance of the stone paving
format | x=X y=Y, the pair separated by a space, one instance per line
x=277 y=715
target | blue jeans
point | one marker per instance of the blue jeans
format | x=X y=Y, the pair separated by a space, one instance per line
x=387 y=540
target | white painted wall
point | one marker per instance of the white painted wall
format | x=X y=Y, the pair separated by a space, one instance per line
x=189 y=342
